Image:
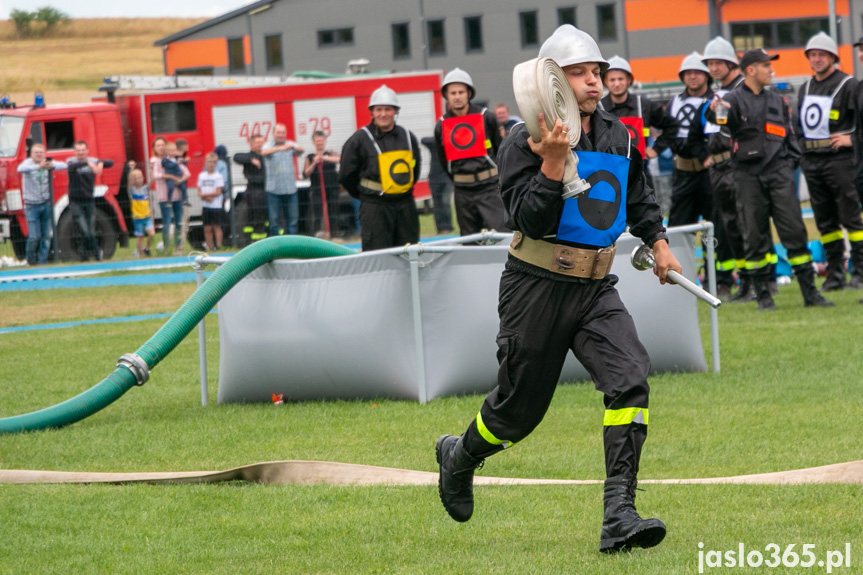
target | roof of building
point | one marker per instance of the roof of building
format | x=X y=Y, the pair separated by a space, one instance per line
x=212 y=22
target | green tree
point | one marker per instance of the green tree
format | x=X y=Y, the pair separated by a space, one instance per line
x=51 y=17
x=22 y=20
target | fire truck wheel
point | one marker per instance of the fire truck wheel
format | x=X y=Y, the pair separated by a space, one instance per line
x=69 y=238
x=19 y=240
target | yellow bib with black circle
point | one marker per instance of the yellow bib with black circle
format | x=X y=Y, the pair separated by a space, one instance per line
x=396 y=167
x=397 y=171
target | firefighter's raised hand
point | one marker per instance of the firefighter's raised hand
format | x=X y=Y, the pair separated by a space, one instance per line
x=665 y=261
x=553 y=148
x=256 y=162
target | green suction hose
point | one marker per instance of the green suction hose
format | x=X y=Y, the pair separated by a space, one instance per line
x=133 y=369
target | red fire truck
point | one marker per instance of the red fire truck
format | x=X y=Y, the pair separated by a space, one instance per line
x=205 y=111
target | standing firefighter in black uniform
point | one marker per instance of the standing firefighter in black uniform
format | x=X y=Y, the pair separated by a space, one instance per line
x=468 y=139
x=691 y=193
x=380 y=164
x=638 y=113
x=827 y=120
x=764 y=157
x=549 y=305
x=721 y=60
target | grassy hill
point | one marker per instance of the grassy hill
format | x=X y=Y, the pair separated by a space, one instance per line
x=69 y=65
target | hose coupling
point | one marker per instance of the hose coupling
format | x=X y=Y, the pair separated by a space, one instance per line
x=137 y=366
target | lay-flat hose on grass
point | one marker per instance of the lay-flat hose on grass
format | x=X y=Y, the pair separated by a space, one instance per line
x=130 y=372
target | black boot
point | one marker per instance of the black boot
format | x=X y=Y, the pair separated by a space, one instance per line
x=744 y=291
x=622 y=527
x=806 y=279
x=856 y=281
x=762 y=295
x=455 y=483
x=835 y=279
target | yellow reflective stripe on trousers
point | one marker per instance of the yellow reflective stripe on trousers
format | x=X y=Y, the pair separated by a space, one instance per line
x=774 y=259
x=488 y=435
x=855 y=236
x=725 y=265
x=799 y=260
x=763 y=262
x=741 y=264
x=831 y=237
x=625 y=416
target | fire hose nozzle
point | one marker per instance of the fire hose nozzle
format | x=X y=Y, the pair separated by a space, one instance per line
x=642 y=259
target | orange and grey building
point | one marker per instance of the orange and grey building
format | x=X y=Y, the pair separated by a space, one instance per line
x=487 y=38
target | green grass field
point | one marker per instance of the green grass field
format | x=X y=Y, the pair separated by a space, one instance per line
x=789 y=396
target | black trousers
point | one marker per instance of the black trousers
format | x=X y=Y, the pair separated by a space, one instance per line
x=541 y=320
x=761 y=197
x=479 y=208
x=834 y=199
x=389 y=224
x=722 y=181
x=691 y=198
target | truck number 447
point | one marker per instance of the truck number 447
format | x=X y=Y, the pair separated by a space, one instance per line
x=248 y=130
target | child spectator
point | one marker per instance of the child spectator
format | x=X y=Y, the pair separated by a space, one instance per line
x=171 y=167
x=141 y=220
x=182 y=158
x=210 y=185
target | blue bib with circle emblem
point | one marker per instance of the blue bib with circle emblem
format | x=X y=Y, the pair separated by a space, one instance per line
x=598 y=216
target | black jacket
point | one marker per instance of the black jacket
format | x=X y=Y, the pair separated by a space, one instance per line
x=720 y=142
x=255 y=176
x=360 y=161
x=654 y=116
x=470 y=165
x=749 y=119
x=533 y=202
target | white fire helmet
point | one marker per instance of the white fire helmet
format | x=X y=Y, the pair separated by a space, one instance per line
x=384 y=96
x=822 y=41
x=618 y=63
x=720 y=49
x=692 y=62
x=569 y=45
x=458 y=76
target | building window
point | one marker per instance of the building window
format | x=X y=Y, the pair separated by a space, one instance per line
x=606 y=22
x=335 y=37
x=566 y=16
x=170 y=117
x=401 y=41
x=202 y=71
x=273 y=46
x=236 y=56
x=473 y=34
x=529 y=29
x=775 y=34
x=437 y=38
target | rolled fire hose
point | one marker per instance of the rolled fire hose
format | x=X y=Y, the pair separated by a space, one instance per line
x=134 y=368
x=540 y=86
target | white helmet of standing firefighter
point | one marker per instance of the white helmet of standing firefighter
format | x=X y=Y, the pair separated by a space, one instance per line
x=692 y=62
x=720 y=49
x=384 y=96
x=821 y=41
x=569 y=45
x=618 y=63
x=458 y=76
